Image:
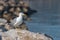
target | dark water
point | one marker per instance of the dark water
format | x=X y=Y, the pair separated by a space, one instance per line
x=47 y=18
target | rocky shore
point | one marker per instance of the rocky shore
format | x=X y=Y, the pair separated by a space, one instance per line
x=20 y=34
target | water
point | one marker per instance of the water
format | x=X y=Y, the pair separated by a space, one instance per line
x=47 y=18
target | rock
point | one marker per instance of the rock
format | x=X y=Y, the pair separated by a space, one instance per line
x=8 y=26
x=0 y=30
x=17 y=34
x=2 y=21
x=20 y=34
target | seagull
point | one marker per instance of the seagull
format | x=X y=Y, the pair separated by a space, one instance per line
x=19 y=19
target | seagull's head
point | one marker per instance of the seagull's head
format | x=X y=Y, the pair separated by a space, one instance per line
x=21 y=14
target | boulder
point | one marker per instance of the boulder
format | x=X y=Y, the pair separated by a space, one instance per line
x=17 y=34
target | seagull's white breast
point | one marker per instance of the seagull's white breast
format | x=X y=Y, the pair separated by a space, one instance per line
x=19 y=21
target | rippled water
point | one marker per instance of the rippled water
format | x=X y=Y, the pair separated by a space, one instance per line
x=47 y=18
